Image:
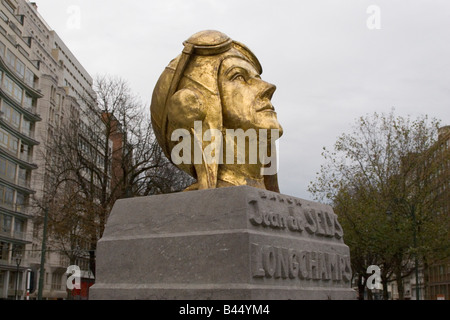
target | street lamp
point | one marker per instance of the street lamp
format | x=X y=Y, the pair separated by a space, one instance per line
x=43 y=251
x=416 y=259
x=18 y=261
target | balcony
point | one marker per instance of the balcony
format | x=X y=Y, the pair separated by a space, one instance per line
x=12 y=73
x=19 y=210
x=16 y=235
x=15 y=186
x=8 y=262
x=25 y=135
x=27 y=132
x=15 y=158
x=30 y=108
x=31 y=112
x=24 y=183
x=26 y=157
x=20 y=235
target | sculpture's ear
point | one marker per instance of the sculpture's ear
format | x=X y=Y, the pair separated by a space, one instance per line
x=184 y=108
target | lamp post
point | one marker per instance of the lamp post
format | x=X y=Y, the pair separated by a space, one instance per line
x=416 y=260
x=18 y=261
x=43 y=251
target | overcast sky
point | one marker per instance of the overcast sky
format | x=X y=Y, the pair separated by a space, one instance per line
x=332 y=61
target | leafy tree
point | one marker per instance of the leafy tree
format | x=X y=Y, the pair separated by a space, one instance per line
x=384 y=181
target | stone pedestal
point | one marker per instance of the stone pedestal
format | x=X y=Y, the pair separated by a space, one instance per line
x=235 y=243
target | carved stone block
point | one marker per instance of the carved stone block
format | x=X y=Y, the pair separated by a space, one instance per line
x=228 y=243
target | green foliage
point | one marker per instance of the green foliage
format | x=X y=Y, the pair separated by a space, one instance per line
x=385 y=180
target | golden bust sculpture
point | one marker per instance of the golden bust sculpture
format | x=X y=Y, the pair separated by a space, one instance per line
x=213 y=90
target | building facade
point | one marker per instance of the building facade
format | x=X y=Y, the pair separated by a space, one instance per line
x=437 y=273
x=19 y=95
x=44 y=89
x=433 y=276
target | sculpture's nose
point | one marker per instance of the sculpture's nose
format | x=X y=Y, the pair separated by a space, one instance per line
x=268 y=90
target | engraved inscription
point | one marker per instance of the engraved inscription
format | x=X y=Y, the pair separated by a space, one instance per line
x=294 y=217
x=289 y=263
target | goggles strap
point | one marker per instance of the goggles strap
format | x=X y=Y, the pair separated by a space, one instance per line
x=179 y=70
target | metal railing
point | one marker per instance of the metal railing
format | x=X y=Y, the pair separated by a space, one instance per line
x=22 y=208
x=19 y=235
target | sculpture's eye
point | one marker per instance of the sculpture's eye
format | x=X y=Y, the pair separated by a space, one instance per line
x=238 y=76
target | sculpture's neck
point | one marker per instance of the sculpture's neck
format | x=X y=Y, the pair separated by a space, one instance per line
x=242 y=174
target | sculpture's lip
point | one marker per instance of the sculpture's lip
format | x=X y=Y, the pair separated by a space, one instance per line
x=268 y=107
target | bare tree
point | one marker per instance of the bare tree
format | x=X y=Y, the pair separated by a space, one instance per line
x=109 y=153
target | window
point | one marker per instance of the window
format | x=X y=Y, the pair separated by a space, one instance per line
x=3 y=167
x=56 y=281
x=8 y=141
x=4 y=17
x=20 y=201
x=19 y=225
x=63 y=260
x=4 y=250
x=6 y=223
x=52 y=94
x=12 y=281
x=17 y=93
x=9 y=85
x=25 y=152
x=26 y=127
x=20 y=68
x=13 y=89
x=7 y=170
x=29 y=78
x=10 y=115
x=58 y=102
x=2 y=48
x=11 y=171
x=10 y=58
x=15 y=64
x=9 y=195
x=28 y=101
x=6 y=196
x=4 y=136
x=9 y=6
x=15 y=119
x=51 y=114
x=14 y=143
x=18 y=249
x=23 y=173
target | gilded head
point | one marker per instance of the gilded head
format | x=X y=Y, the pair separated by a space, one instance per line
x=217 y=82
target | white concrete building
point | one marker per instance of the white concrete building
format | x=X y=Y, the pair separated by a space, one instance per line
x=44 y=87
